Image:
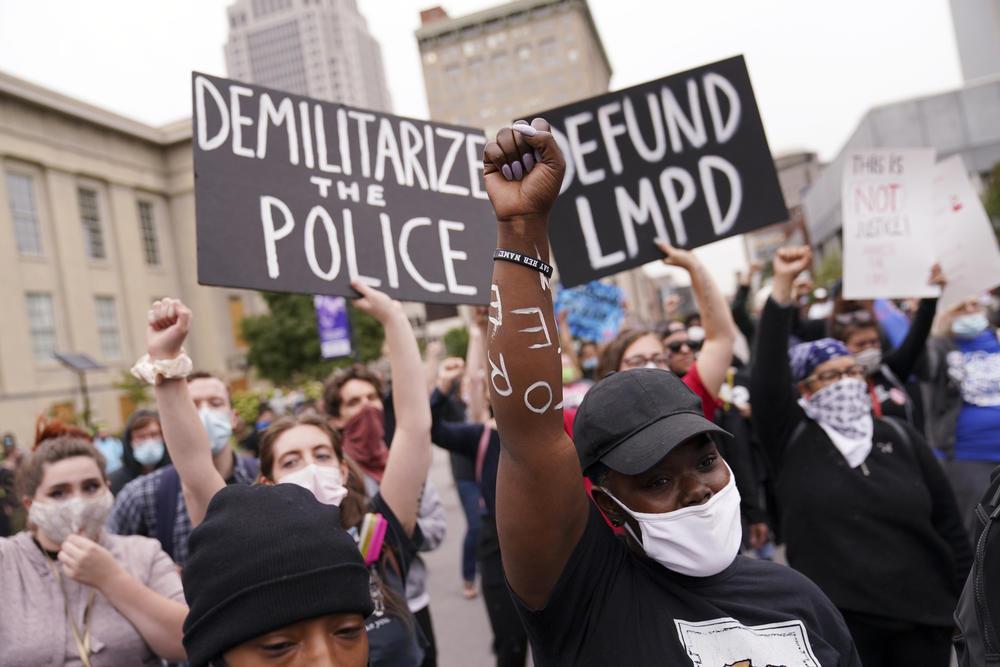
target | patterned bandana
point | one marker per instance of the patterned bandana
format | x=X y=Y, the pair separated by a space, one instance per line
x=805 y=357
x=843 y=410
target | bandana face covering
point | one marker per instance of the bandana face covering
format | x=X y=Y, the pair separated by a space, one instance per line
x=364 y=443
x=325 y=482
x=698 y=541
x=843 y=409
x=59 y=519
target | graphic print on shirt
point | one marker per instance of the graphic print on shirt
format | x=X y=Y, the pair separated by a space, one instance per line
x=978 y=375
x=725 y=642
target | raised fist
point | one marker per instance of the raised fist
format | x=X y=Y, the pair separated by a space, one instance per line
x=523 y=170
x=169 y=322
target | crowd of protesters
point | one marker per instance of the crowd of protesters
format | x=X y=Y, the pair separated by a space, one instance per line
x=627 y=502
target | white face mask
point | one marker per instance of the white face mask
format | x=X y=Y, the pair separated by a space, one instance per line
x=698 y=541
x=148 y=453
x=869 y=359
x=59 y=519
x=325 y=482
x=219 y=427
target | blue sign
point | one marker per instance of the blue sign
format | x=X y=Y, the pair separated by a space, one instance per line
x=594 y=310
x=334 y=329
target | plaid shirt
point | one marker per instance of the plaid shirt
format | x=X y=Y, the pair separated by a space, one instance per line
x=134 y=512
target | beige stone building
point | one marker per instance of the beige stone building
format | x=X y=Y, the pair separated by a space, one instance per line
x=492 y=67
x=96 y=222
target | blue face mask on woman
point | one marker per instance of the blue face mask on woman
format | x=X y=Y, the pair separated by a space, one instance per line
x=969 y=326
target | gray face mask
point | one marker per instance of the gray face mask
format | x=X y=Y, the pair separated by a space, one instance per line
x=869 y=359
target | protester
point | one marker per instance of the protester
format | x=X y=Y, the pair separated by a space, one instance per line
x=110 y=447
x=143 y=450
x=462 y=469
x=251 y=443
x=11 y=512
x=962 y=394
x=866 y=511
x=299 y=600
x=886 y=373
x=352 y=396
x=153 y=504
x=307 y=452
x=73 y=593
x=702 y=364
x=675 y=588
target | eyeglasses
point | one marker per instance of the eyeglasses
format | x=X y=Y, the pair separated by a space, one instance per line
x=675 y=346
x=857 y=372
x=855 y=316
x=641 y=361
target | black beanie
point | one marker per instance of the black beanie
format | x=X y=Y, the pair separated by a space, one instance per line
x=263 y=558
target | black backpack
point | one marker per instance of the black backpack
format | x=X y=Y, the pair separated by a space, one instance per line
x=978 y=613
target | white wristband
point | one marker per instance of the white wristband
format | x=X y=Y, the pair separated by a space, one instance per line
x=154 y=372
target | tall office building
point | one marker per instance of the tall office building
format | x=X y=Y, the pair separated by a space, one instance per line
x=319 y=48
x=488 y=68
x=977 y=35
x=492 y=67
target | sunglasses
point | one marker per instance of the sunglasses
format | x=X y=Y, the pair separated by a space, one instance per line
x=677 y=345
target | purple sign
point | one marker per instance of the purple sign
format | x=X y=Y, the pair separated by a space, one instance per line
x=334 y=330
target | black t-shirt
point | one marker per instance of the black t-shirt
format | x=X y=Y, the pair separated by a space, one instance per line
x=392 y=641
x=613 y=607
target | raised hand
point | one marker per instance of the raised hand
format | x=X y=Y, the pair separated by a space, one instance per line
x=449 y=373
x=523 y=170
x=790 y=261
x=937 y=276
x=376 y=303
x=87 y=562
x=169 y=322
x=674 y=256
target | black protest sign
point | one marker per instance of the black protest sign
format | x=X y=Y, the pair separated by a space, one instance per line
x=683 y=158
x=297 y=195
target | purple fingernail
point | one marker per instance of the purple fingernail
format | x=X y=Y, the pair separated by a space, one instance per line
x=517 y=169
x=505 y=170
x=529 y=162
x=538 y=156
x=524 y=129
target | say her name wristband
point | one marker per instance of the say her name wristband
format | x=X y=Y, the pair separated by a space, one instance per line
x=523 y=260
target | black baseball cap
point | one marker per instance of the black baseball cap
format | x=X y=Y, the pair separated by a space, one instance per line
x=631 y=419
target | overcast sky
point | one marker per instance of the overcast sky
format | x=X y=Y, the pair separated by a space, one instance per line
x=816 y=67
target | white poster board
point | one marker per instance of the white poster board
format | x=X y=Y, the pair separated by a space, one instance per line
x=886 y=203
x=962 y=235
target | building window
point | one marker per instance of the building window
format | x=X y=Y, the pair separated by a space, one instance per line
x=236 y=316
x=547 y=51
x=93 y=237
x=42 y=326
x=107 y=327
x=150 y=244
x=24 y=213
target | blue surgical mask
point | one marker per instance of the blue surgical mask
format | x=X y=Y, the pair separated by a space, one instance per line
x=969 y=326
x=148 y=452
x=218 y=426
x=261 y=424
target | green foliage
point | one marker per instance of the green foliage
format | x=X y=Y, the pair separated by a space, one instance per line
x=284 y=343
x=456 y=342
x=246 y=404
x=829 y=269
x=991 y=200
x=136 y=389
